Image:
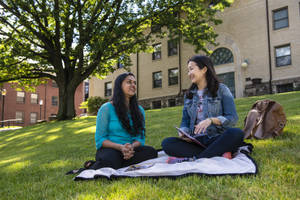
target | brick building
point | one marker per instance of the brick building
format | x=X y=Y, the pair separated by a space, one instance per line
x=34 y=106
x=258 y=53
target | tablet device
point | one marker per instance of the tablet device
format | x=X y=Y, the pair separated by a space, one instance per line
x=190 y=137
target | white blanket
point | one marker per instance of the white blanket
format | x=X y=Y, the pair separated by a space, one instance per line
x=241 y=164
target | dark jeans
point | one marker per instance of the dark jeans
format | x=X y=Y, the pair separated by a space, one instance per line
x=229 y=141
x=108 y=157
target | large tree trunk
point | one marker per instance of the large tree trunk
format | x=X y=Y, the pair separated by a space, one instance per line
x=66 y=101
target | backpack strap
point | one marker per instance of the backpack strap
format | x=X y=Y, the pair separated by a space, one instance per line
x=250 y=123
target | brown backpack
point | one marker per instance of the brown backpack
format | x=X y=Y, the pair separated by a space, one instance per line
x=266 y=119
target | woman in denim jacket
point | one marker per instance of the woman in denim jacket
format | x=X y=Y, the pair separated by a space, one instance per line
x=208 y=115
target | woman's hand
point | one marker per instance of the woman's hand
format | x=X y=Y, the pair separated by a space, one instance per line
x=202 y=126
x=127 y=151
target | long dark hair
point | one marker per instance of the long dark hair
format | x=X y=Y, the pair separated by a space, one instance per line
x=210 y=75
x=122 y=110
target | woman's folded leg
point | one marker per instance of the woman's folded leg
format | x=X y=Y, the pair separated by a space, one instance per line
x=108 y=157
x=174 y=146
x=229 y=141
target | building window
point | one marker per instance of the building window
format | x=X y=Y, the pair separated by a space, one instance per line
x=283 y=55
x=156 y=55
x=33 y=118
x=20 y=116
x=221 y=56
x=280 y=18
x=173 y=76
x=54 y=101
x=156 y=104
x=285 y=88
x=86 y=90
x=172 y=47
x=34 y=98
x=54 y=84
x=108 y=89
x=120 y=65
x=157 y=79
x=120 y=62
x=172 y=102
x=20 y=97
x=229 y=80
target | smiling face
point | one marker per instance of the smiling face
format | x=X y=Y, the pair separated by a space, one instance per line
x=129 y=86
x=196 y=74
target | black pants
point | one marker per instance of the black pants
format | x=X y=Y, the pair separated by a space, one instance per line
x=108 y=157
x=229 y=141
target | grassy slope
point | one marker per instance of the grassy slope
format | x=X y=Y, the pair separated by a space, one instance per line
x=34 y=160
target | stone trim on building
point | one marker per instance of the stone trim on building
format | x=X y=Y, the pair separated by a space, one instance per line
x=165 y=101
x=262 y=88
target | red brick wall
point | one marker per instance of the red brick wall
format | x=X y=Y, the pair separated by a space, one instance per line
x=45 y=93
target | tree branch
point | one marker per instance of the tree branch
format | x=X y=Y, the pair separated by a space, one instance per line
x=69 y=31
x=35 y=76
x=57 y=25
x=81 y=36
x=36 y=17
x=20 y=34
x=24 y=21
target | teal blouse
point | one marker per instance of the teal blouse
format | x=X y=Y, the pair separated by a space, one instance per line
x=109 y=127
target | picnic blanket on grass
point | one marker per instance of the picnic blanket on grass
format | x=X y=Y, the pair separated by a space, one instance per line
x=240 y=164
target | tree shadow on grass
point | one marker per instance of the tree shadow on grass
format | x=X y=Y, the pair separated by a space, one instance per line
x=47 y=143
x=35 y=163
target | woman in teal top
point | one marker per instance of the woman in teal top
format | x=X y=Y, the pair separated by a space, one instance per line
x=120 y=128
x=109 y=127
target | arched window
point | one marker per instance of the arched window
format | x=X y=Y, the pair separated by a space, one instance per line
x=222 y=56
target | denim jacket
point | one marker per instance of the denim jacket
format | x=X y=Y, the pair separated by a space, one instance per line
x=221 y=107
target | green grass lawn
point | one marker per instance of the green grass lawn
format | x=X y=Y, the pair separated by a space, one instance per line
x=33 y=161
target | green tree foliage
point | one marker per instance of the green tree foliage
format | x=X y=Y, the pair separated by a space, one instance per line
x=93 y=104
x=68 y=41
